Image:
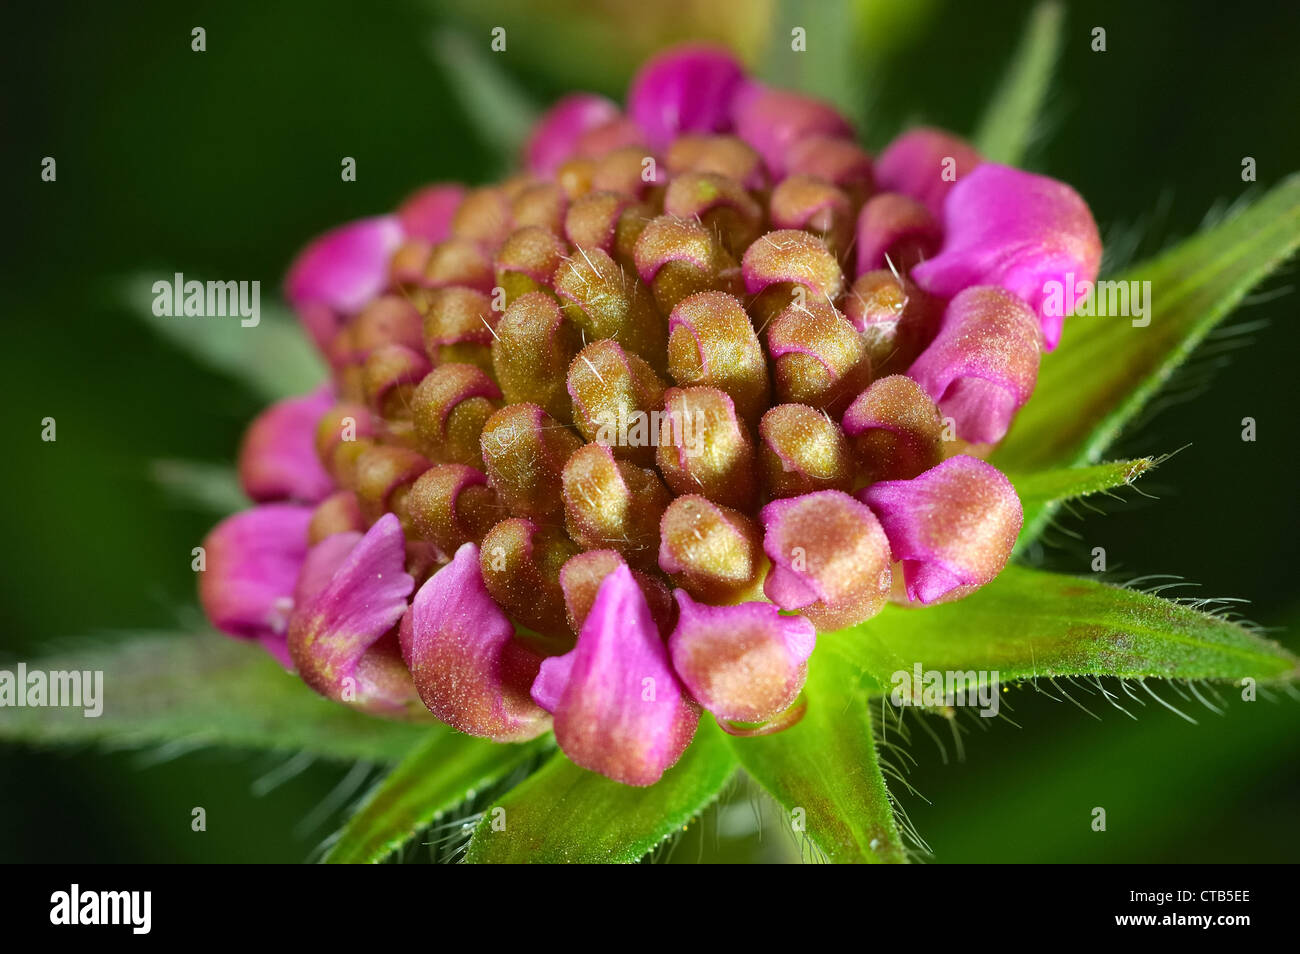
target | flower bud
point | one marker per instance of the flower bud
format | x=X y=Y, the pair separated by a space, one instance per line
x=277 y=457
x=806 y=202
x=983 y=364
x=521 y=564
x=541 y=205
x=774 y=120
x=619 y=708
x=555 y=136
x=894 y=429
x=614 y=394
x=617 y=133
x=532 y=352
x=343 y=433
x=382 y=472
x=801 y=451
x=451 y=505
x=524 y=452
x=721 y=205
x=388 y=320
x=427 y=213
x=389 y=378
x=896 y=319
x=679 y=257
x=780 y=262
x=592 y=221
x=841 y=162
x=449 y=409
x=818 y=358
x=711 y=343
x=711 y=551
x=625 y=171
x=744 y=663
x=952 y=527
x=337 y=513
x=687 y=89
x=582 y=574
x=830 y=559
x=469 y=668
x=613 y=504
x=925 y=164
x=483 y=217
x=705 y=448
x=459 y=261
x=527 y=261
x=407 y=266
x=600 y=297
x=458 y=325
x=727 y=156
x=1032 y=235
x=895 y=230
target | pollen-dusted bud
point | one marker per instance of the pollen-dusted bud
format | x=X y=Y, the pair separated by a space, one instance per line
x=841 y=162
x=524 y=452
x=449 y=409
x=896 y=319
x=543 y=205
x=777 y=265
x=895 y=230
x=983 y=364
x=744 y=663
x=458 y=261
x=629 y=170
x=894 y=429
x=521 y=566
x=711 y=343
x=952 y=527
x=618 y=132
x=599 y=296
x=679 y=257
x=574 y=176
x=389 y=319
x=592 y=221
x=728 y=156
x=614 y=394
x=451 y=505
x=458 y=325
x=705 y=448
x=773 y=121
x=721 y=204
x=611 y=503
x=483 y=217
x=409 y=262
x=806 y=202
x=390 y=376
x=801 y=451
x=532 y=352
x=581 y=576
x=343 y=433
x=711 y=551
x=337 y=513
x=830 y=558
x=818 y=358
x=527 y=260
x=382 y=474
x=925 y=164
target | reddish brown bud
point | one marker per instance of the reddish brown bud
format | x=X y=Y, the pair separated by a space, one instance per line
x=389 y=319
x=818 y=357
x=524 y=453
x=381 y=472
x=389 y=378
x=711 y=551
x=532 y=352
x=711 y=343
x=521 y=565
x=449 y=409
x=613 y=394
x=705 y=448
x=410 y=261
x=458 y=325
x=894 y=429
x=613 y=504
x=451 y=504
x=806 y=202
x=603 y=299
x=802 y=450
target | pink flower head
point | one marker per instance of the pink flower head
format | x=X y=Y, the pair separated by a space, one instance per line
x=278 y=460
x=556 y=135
x=1028 y=233
x=953 y=527
x=686 y=89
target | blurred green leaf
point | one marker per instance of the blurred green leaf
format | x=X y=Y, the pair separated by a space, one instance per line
x=445 y=770
x=213 y=488
x=825 y=770
x=204 y=690
x=1030 y=623
x=1008 y=122
x=1106 y=369
x=1041 y=492
x=273 y=359
x=563 y=813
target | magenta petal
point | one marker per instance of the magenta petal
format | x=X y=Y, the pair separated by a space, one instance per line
x=551 y=679
x=774 y=121
x=918 y=164
x=252 y=563
x=278 y=459
x=1030 y=234
x=427 y=213
x=341 y=271
x=470 y=670
x=556 y=135
x=330 y=635
x=323 y=561
x=687 y=89
x=624 y=712
x=743 y=663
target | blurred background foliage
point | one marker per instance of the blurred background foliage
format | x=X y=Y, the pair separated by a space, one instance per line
x=221 y=164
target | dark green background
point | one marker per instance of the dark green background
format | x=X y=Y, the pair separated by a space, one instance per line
x=224 y=163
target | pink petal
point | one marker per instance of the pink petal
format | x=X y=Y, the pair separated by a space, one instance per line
x=555 y=137
x=427 y=213
x=774 y=121
x=470 y=670
x=278 y=460
x=916 y=165
x=687 y=89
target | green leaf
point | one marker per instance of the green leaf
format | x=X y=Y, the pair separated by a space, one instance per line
x=1041 y=492
x=1106 y=369
x=274 y=359
x=438 y=775
x=204 y=690
x=212 y=488
x=1009 y=120
x=563 y=813
x=1030 y=623
x=826 y=768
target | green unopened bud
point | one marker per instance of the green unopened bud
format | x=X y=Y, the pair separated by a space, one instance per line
x=531 y=354
x=524 y=453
